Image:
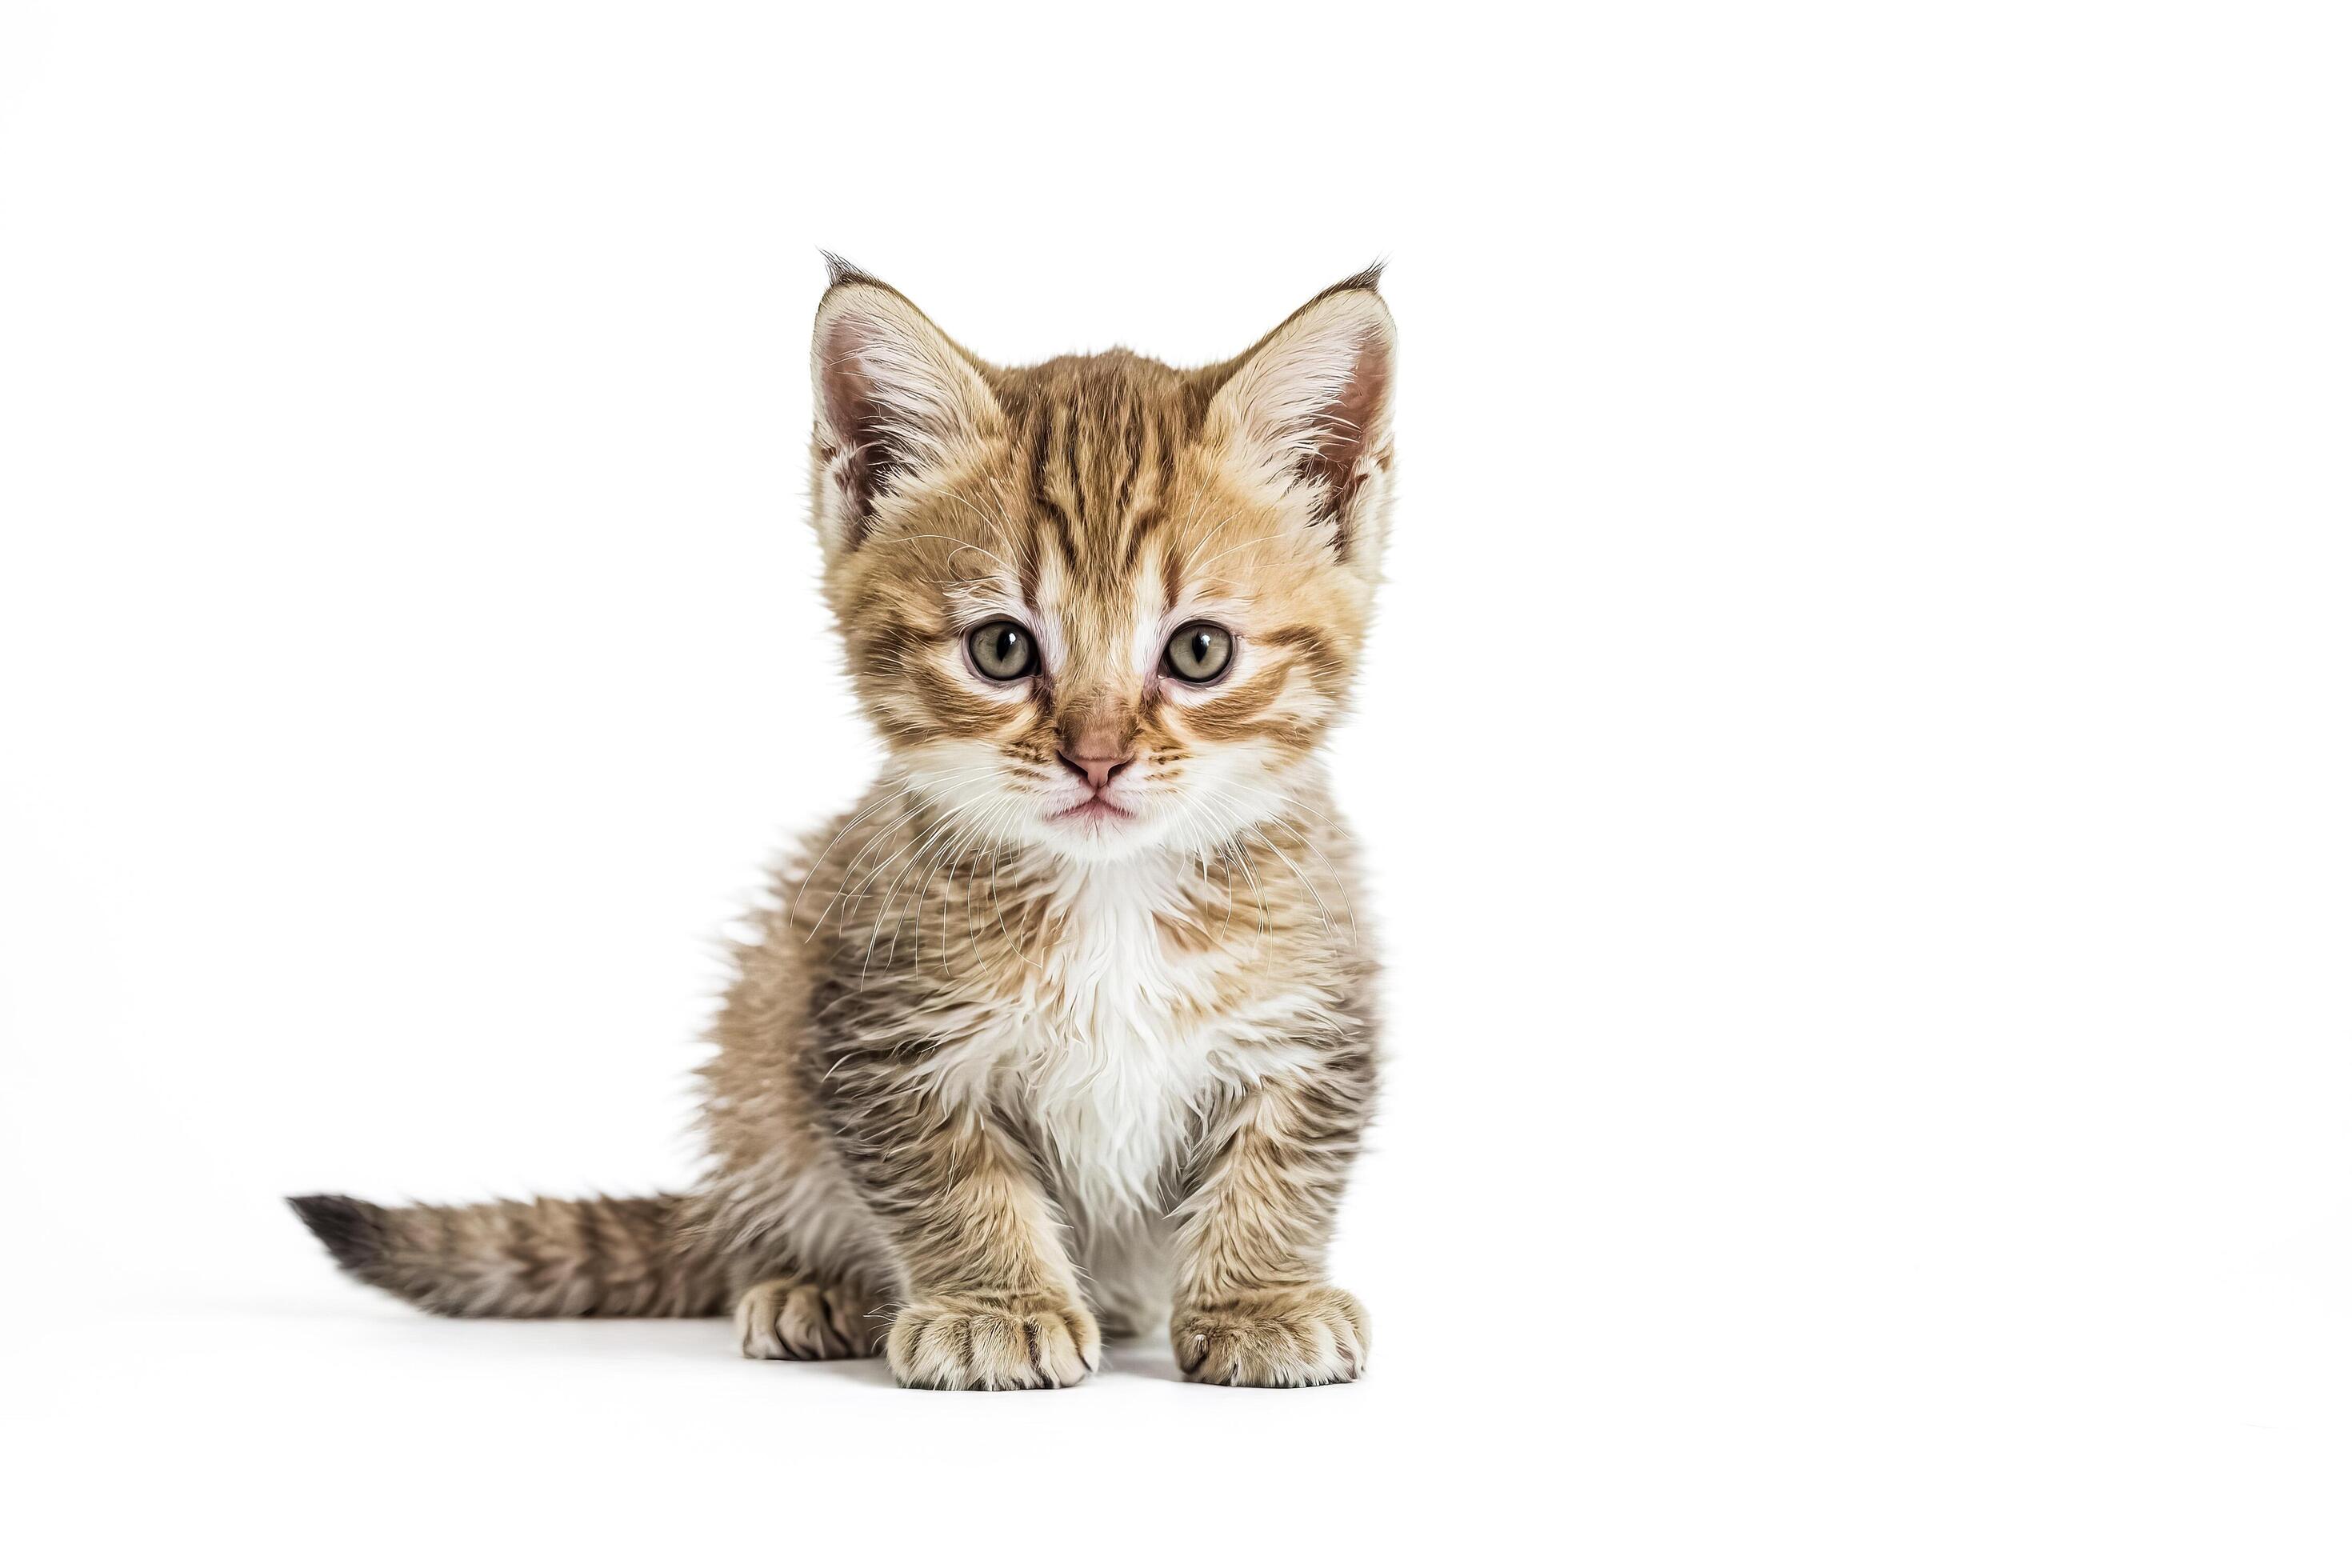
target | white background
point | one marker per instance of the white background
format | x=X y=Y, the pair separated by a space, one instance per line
x=1855 y=757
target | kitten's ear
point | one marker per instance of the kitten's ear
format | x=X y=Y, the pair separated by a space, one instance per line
x=894 y=398
x=1308 y=409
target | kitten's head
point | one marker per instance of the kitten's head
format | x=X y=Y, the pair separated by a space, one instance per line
x=1100 y=605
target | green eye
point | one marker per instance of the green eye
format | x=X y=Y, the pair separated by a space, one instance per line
x=1199 y=653
x=1002 y=650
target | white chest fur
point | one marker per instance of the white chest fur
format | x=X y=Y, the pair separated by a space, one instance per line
x=1116 y=1046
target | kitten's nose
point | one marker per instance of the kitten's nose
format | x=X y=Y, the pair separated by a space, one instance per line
x=1097 y=770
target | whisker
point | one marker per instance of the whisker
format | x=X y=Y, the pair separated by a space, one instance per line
x=1203 y=542
x=959 y=544
x=1304 y=879
x=910 y=787
x=954 y=812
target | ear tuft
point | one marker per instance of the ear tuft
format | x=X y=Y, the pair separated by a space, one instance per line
x=895 y=397
x=1309 y=407
x=840 y=270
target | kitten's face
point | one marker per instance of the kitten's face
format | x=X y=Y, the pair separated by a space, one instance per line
x=1101 y=605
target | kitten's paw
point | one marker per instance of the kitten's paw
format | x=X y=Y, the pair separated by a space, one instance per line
x=1292 y=1337
x=979 y=1344
x=795 y=1318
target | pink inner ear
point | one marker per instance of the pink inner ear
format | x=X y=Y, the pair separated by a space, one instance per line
x=1342 y=431
x=858 y=422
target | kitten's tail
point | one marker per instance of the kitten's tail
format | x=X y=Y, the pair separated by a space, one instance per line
x=550 y=1257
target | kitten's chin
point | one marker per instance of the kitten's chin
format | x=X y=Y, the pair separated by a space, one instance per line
x=1098 y=832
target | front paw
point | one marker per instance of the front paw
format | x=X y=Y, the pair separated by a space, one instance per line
x=962 y=1343
x=795 y=1318
x=1292 y=1337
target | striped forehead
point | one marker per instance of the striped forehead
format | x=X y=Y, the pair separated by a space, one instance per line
x=1099 y=628
x=1098 y=442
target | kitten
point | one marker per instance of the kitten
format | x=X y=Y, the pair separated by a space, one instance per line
x=1071 y=1017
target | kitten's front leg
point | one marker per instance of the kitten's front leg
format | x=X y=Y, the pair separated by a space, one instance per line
x=1252 y=1308
x=993 y=1301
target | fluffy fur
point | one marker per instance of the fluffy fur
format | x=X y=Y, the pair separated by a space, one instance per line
x=1020 y=1057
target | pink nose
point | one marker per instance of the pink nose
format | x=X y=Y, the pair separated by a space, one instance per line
x=1097 y=770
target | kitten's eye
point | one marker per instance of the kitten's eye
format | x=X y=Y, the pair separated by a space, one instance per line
x=1002 y=650
x=1199 y=653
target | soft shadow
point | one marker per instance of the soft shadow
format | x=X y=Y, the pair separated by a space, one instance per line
x=871 y=1371
x=708 y=1343
x=1143 y=1359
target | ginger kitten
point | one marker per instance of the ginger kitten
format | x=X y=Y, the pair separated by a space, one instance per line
x=1071 y=1018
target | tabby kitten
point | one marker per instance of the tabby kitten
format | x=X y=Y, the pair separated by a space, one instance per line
x=1071 y=1017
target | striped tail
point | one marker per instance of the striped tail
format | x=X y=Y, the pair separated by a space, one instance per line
x=550 y=1257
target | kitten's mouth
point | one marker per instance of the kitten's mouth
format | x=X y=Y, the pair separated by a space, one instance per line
x=1096 y=812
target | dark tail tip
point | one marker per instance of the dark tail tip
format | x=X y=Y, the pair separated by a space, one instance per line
x=354 y=1231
